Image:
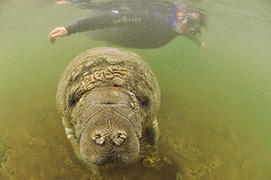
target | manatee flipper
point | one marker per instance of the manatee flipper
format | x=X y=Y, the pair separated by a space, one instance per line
x=71 y=136
x=153 y=132
x=74 y=142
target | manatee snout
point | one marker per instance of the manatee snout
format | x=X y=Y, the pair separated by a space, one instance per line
x=109 y=137
x=116 y=137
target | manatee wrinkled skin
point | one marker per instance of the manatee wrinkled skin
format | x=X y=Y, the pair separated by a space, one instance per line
x=108 y=99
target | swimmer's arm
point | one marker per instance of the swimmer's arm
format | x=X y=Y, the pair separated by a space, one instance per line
x=100 y=22
x=92 y=23
x=196 y=40
x=105 y=21
x=89 y=24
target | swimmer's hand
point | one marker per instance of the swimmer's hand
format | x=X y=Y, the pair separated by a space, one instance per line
x=57 y=32
x=202 y=46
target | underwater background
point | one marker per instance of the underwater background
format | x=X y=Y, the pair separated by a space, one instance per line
x=215 y=115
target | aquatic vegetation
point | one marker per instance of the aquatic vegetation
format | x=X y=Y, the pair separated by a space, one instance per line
x=5 y=164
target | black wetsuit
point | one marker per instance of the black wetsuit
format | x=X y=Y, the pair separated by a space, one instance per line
x=149 y=28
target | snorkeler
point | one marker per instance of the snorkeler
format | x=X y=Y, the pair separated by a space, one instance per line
x=151 y=26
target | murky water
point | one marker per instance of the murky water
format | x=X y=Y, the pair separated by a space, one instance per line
x=215 y=109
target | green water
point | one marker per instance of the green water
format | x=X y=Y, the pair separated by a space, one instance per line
x=215 y=113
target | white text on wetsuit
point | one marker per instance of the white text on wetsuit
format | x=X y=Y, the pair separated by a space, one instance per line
x=125 y=19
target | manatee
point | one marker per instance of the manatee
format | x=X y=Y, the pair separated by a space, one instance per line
x=108 y=99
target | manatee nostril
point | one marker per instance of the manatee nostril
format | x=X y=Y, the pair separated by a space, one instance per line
x=119 y=138
x=98 y=138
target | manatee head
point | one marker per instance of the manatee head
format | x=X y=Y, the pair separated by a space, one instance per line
x=110 y=132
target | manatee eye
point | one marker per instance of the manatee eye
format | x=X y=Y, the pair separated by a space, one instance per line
x=145 y=104
x=119 y=138
x=98 y=138
x=75 y=96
